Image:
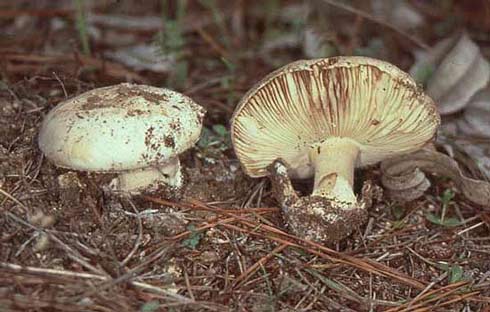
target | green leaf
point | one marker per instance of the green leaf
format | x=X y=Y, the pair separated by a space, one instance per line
x=447 y=196
x=205 y=138
x=455 y=274
x=170 y=39
x=442 y=266
x=81 y=25
x=179 y=75
x=423 y=72
x=399 y=224
x=150 y=306
x=194 y=239
x=373 y=49
x=334 y=285
x=229 y=64
x=214 y=141
x=397 y=211
x=447 y=222
x=220 y=130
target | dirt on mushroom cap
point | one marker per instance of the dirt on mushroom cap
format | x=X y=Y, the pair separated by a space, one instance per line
x=120 y=127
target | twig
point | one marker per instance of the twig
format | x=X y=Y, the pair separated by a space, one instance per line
x=62 y=84
x=376 y=20
x=456 y=298
x=53 y=272
x=257 y=265
x=138 y=239
x=207 y=225
x=27 y=242
x=126 y=277
x=470 y=228
x=110 y=68
x=214 y=45
x=334 y=256
x=12 y=198
x=188 y=285
x=426 y=290
x=310 y=246
x=71 y=253
x=257 y=191
x=431 y=296
x=196 y=205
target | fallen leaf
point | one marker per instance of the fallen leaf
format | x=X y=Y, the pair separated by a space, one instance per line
x=459 y=72
x=143 y=57
x=476 y=116
x=402 y=168
x=446 y=222
x=455 y=274
x=471 y=151
x=399 y=13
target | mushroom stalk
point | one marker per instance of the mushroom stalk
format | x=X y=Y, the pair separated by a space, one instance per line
x=134 y=180
x=334 y=160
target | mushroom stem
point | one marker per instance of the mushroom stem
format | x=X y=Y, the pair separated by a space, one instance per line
x=135 y=180
x=334 y=160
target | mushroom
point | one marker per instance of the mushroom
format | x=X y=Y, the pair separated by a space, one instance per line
x=323 y=118
x=137 y=131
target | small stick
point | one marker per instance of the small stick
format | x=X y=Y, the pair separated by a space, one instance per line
x=15 y=200
x=53 y=272
x=376 y=20
x=61 y=83
x=138 y=239
x=258 y=264
x=214 y=45
x=71 y=253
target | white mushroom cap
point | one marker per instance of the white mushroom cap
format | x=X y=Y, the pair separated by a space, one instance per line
x=120 y=128
x=373 y=103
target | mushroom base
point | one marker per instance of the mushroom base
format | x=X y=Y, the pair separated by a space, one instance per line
x=316 y=218
x=150 y=179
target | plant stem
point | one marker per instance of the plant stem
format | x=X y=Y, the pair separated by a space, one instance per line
x=82 y=27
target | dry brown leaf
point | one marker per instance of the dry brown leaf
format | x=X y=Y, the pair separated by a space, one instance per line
x=401 y=169
x=399 y=13
x=476 y=116
x=460 y=71
x=473 y=152
x=143 y=57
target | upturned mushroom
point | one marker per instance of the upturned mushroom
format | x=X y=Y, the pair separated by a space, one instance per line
x=324 y=118
x=137 y=131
